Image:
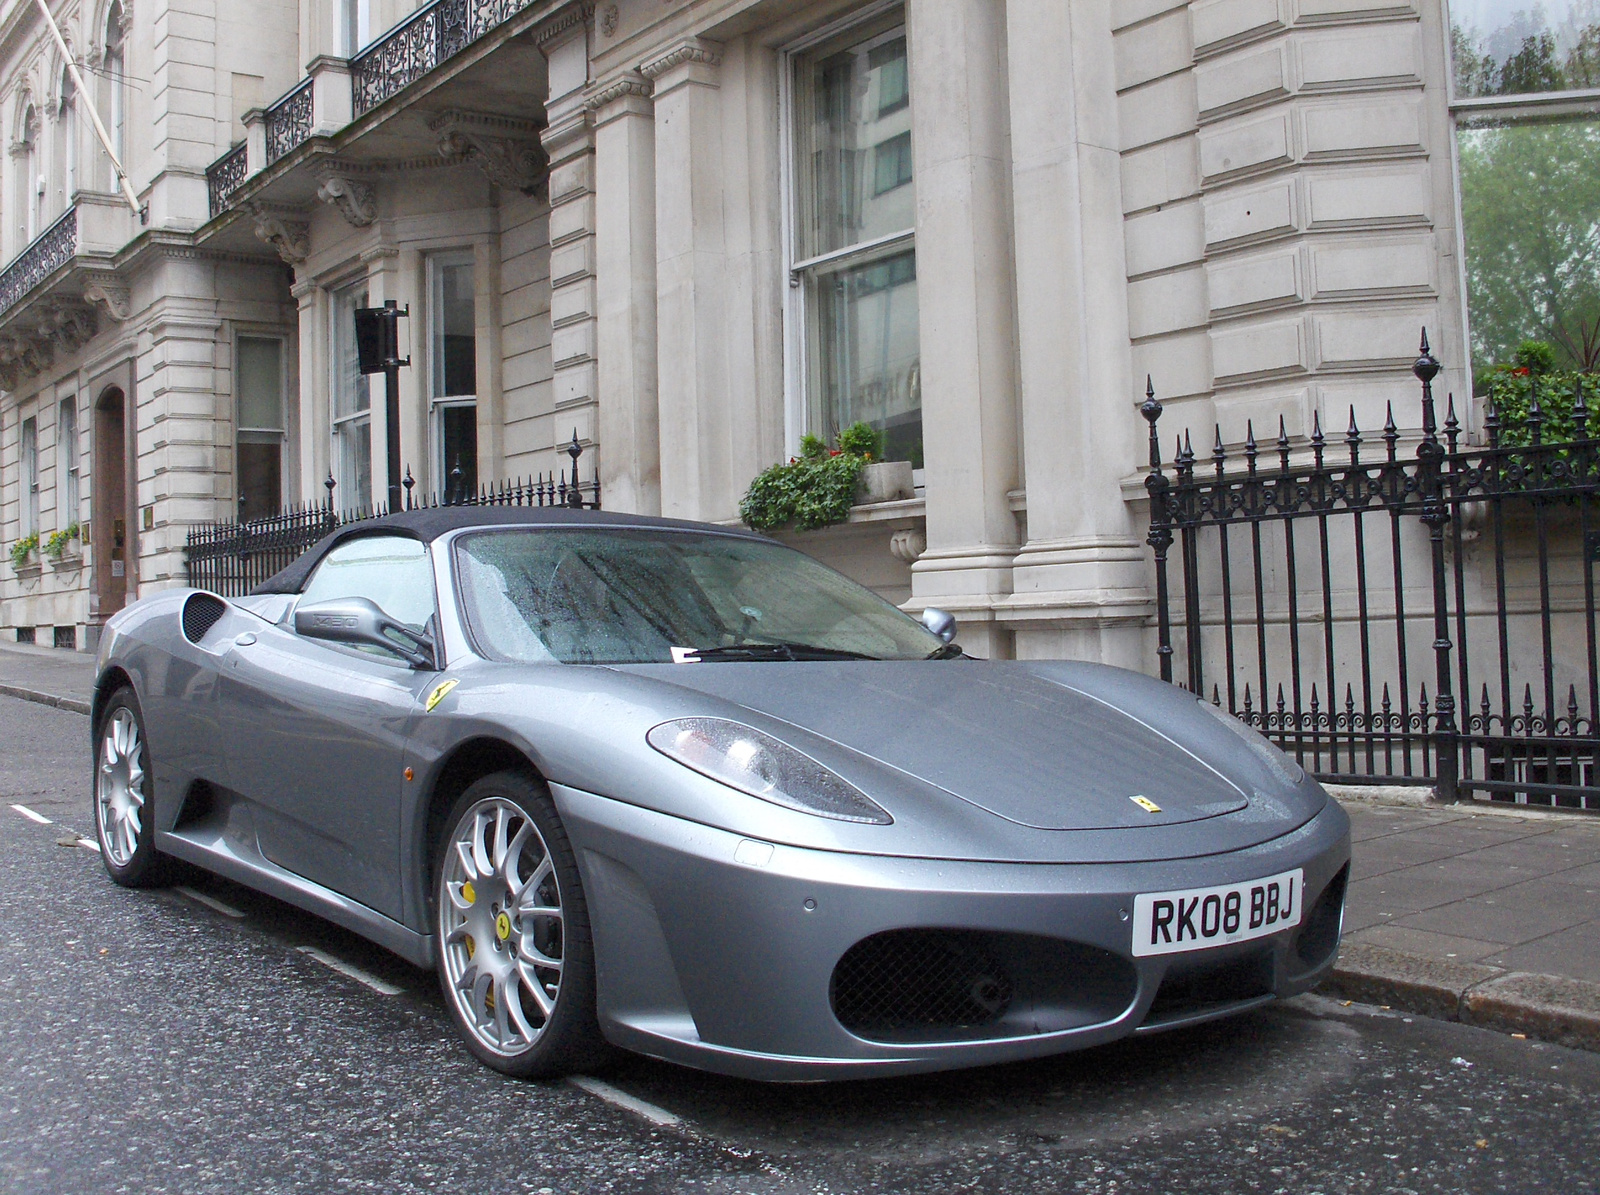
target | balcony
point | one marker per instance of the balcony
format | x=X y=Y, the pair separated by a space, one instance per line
x=53 y=248
x=336 y=92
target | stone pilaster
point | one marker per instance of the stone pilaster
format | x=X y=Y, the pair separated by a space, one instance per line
x=1079 y=581
x=965 y=296
x=625 y=241
x=569 y=141
x=690 y=264
x=314 y=420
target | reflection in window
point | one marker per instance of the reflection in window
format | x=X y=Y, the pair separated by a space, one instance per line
x=1512 y=47
x=67 y=488
x=1530 y=211
x=855 y=211
x=30 y=476
x=454 y=375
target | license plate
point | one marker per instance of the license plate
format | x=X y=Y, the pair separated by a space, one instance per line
x=1168 y=922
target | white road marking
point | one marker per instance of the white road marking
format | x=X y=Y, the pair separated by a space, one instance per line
x=210 y=902
x=89 y=844
x=32 y=816
x=602 y=1090
x=356 y=973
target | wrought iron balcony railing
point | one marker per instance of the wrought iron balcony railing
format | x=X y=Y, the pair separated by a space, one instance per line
x=224 y=177
x=431 y=36
x=289 y=121
x=48 y=252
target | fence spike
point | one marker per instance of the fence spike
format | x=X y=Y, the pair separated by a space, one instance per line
x=1452 y=425
x=1216 y=697
x=1250 y=448
x=1283 y=445
x=1218 y=452
x=1352 y=437
x=1318 y=441
x=1535 y=411
x=1580 y=411
x=1572 y=704
x=1151 y=410
x=1491 y=423
x=1391 y=433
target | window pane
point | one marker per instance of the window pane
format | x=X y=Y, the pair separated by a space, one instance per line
x=1511 y=47
x=260 y=384
x=355 y=464
x=385 y=569
x=30 y=476
x=67 y=460
x=458 y=445
x=1530 y=209
x=866 y=363
x=854 y=139
x=455 y=369
x=350 y=384
x=260 y=467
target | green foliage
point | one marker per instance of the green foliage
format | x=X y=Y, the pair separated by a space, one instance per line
x=22 y=549
x=1530 y=208
x=815 y=489
x=1512 y=385
x=55 y=547
x=862 y=439
x=1525 y=55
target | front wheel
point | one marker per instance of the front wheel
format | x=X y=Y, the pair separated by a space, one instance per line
x=124 y=818
x=515 y=958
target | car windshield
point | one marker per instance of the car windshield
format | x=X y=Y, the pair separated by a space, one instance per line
x=641 y=596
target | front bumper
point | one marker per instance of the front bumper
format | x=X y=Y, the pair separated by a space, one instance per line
x=719 y=952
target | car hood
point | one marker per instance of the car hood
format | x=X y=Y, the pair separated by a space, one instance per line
x=1051 y=747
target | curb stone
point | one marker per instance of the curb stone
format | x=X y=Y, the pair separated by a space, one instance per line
x=1551 y=1008
x=71 y=704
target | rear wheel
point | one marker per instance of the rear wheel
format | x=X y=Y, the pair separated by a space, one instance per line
x=123 y=811
x=515 y=958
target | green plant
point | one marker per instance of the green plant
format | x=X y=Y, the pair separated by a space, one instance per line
x=56 y=546
x=22 y=549
x=816 y=488
x=1513 y=384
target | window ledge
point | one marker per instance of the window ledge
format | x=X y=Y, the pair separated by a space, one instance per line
x=881 y=512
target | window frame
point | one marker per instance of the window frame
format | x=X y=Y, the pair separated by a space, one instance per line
x=241 y=430
x=438 y=403
x=360 y=287
x=1524 y=107
x=430 y=626
x=69 y=493
x=28 y=476
x=796 y=313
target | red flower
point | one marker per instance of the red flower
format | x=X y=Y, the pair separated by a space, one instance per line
x=1520 y=372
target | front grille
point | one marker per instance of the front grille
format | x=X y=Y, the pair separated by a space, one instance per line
x=1198 y=985
x=919 y=979
x=200 y=613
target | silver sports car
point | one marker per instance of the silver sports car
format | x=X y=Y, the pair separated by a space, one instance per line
x=629 y=782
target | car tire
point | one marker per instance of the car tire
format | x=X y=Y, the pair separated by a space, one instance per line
x=506 y=888
x=123 y=791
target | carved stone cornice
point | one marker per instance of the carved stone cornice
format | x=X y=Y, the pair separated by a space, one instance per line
x=516 y=163
x=285 y=229
x=557 y=25
x=57 y=325
x=67 y=324
x=616 y=89
x=694 y=49
x=357 y=201
x=110 y=292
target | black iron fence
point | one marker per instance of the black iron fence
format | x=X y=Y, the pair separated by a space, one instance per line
x=1389 y=616
x=232 y=558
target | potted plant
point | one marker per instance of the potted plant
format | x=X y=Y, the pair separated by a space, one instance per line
x=22 y=550
x=56 y=546
x=818 y=487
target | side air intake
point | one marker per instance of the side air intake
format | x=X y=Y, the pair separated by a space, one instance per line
x=200 y=613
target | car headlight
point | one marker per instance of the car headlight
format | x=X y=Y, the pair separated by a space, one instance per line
x=1279 y=764
x=758 y=764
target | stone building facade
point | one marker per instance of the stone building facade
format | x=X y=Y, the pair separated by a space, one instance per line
x=689 y=232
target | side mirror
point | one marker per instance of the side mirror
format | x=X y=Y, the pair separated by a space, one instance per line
x=360 y=621
x=941 y=622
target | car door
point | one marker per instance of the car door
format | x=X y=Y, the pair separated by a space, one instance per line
x=318 y=729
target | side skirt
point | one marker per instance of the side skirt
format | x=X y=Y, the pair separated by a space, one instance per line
x=226 y=855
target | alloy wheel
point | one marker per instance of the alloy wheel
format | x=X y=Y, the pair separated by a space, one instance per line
x=120 y=787
x=500 y=926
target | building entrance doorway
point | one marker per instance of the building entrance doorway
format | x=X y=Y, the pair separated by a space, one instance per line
x=109 y=529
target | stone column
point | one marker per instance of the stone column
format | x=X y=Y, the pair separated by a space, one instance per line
x=569 y=140
x=965 y=295
x=625 y=268
x=312 y=399
x=690 y=263
x=1079 y=581
x=382 y=262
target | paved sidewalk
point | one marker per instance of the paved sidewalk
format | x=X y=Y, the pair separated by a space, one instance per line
x=38 y=672
x=1483 y=915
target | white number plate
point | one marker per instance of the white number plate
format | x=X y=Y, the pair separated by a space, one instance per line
x=1167 y=922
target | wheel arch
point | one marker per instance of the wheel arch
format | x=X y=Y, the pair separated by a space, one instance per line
x=465 y=764
x=112 y=679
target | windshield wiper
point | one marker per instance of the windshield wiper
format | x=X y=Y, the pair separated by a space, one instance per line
x=774 y=651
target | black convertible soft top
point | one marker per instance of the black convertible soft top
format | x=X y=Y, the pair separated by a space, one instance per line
x=430 y=523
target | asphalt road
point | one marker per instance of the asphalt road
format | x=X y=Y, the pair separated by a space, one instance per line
x=154 y=1042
